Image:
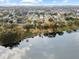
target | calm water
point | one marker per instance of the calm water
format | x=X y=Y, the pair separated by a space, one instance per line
x=59 y=47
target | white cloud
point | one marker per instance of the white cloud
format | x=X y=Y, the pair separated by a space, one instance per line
x=31 y=1
x=15 y=53
x=54 y=1
x=35 y=3
x=65 y=1
x=1 y=0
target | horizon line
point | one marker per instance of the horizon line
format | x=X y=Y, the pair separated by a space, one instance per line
x=37 y=5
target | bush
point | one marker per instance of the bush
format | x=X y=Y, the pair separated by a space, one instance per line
x=9 y=37
x=28 y=26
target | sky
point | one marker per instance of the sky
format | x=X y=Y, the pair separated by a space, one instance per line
x=38 y=2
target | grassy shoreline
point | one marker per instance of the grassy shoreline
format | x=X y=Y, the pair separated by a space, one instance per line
x=13 y=33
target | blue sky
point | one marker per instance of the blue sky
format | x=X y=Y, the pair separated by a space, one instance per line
x=39 y=2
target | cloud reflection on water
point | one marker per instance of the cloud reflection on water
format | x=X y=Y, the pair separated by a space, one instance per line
x=60 y=47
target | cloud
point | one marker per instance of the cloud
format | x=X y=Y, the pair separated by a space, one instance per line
x=36 y=2
x=65 y=1
x=1 y=0
x=31 y=1
x=54 y=1
x=15 y=53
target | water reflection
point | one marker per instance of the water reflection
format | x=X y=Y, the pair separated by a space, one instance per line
x=27 y=40
x=70 y=31
x=62 y=46
x=75 y=30
x=53 y=34
x=11 y=43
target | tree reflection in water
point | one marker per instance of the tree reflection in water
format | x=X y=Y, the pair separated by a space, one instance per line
x=10 y=38
x=53 y=34
x=74 y=30
x=69 y=31
x=11 y=45
x=60 y=33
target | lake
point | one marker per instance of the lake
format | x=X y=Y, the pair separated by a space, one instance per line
x=65 y=46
